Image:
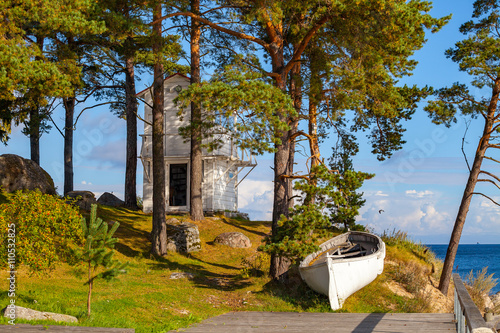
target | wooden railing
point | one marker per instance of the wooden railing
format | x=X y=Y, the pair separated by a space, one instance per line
x=467 y=315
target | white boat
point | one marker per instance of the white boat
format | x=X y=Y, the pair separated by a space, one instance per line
x=343 y=265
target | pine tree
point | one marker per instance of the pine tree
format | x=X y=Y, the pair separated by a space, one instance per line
x=284 y=29
x=159 y=231
x=479 y=56
x=30 y=75
x=98 y=251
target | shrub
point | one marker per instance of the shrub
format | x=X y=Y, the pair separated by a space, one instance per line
x=255 y=265
x=401 y=240
x=47 y=230
x=413 y=277
x=479 y=286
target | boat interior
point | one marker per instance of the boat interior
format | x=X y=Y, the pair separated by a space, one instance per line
x=351 y=248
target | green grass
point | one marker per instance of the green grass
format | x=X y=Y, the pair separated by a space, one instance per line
x=225 y=279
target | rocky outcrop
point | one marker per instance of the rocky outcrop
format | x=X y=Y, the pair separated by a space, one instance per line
x=17 y=173
x=183 y=237
x=19 y=312
x=233 y=239
x=83 y=199
x=181 y=275
x=109 y=199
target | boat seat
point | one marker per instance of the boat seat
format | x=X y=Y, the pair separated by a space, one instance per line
x=348 y=255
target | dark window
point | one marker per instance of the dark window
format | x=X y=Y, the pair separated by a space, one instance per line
x=178 y=185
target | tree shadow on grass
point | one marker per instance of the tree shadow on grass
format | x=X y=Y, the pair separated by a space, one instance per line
x=240 y=224
x=217 y=265
x=298 y=294
x=202 y=277
x=126 y=250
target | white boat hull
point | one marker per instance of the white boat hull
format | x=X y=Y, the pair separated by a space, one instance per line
x=339 y=278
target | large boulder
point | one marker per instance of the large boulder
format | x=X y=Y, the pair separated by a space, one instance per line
x=233 y=239
x=182 y=237
x=29 y=314
x=84 y=199
x=109 y=199
x=17 y=173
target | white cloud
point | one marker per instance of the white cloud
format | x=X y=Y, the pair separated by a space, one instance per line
x=419 y=194
x=434 y=220
x=255 y=197
x=381 y=194
x=418 y=213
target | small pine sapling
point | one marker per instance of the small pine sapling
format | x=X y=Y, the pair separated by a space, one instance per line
x=98 y=251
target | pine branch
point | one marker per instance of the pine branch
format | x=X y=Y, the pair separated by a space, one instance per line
x=489 y=181
x=295 y=177
x=491 y=159
x=463 y=141
x=299 y=133
x=494 y=128
x=305 y=41
x=216 y=27
x=490 y=174
x=94 y=106
x=487 y=197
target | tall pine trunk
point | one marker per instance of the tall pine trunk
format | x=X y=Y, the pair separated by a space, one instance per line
x=69 y=106
x=196 y=176
x=131 y=158
x=296 y=92
x=34 y=132
x=315 y=88
x=34 y=123
x=159 y=232
x=451 y=253
x=282 y=192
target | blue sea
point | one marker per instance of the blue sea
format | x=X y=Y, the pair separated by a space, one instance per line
x=473 y=257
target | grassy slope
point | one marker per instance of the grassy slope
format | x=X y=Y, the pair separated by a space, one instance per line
x=149 y=301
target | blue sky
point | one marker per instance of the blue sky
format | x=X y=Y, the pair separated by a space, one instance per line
x=419 y=189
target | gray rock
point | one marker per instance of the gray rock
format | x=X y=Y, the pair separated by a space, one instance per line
x=84 y=198
x=183 y=237
x=488 y=302
x=17 y=173
x=109 y=199
x=181 y=275
x=233 y=239
x=496 y=300
x=29 y=314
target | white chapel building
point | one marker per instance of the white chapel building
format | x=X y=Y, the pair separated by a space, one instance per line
x=221 y=167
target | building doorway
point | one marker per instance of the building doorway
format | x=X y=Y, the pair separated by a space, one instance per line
x=178 y=185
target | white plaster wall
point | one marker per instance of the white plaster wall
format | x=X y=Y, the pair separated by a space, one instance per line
x=225 y=194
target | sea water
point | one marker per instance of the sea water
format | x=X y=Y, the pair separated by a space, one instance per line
x=473 y=257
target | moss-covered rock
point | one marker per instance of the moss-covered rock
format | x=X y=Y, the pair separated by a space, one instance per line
x=17 y=173
x=183 y=237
